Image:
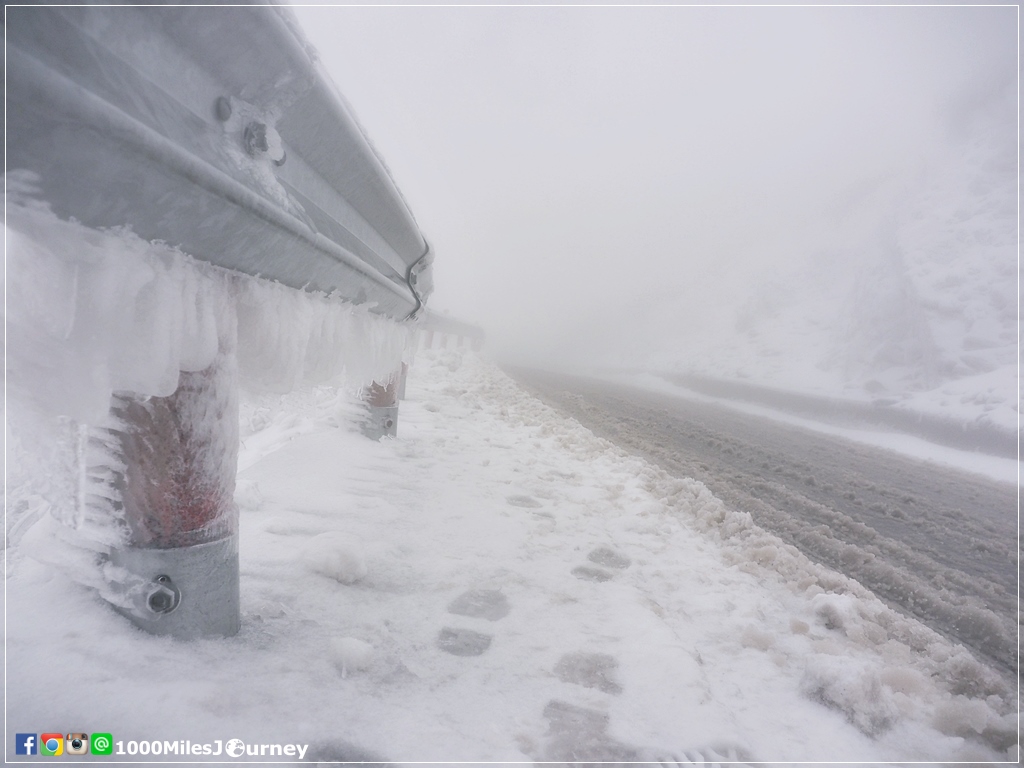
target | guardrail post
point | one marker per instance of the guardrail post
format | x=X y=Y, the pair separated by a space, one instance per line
x=177 y=484
x=382 y=408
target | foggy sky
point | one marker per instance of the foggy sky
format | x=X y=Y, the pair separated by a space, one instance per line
x=569 y=165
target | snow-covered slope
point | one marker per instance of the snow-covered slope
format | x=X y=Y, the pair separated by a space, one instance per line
x=496 y=584
x=903 y=288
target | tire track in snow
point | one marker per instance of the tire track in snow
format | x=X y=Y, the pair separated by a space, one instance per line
x=937 y=544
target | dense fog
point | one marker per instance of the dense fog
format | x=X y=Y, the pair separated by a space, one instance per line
x=822 y=197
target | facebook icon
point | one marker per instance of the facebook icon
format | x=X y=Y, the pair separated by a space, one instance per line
x=25 y=744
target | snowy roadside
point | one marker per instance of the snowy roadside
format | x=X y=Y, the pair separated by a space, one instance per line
x=497 y=584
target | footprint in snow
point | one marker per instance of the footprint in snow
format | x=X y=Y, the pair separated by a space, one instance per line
x=577 y=734
x=487 y=604
x=527 y=502
x=463 y=642
x=609 y=558
x=587 y=573
x=591 y=670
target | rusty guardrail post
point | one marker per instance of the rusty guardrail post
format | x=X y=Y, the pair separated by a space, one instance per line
x=177 y=487
x=381 y=399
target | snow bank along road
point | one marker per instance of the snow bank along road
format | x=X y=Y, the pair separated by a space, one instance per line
x=937 y=543
x=956 y=433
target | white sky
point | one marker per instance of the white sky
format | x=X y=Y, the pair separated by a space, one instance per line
x=567 y=163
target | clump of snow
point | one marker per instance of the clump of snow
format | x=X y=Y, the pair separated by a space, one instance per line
x=248 y=496
x=351 y=654
x=961 y=716
x=335 y=556
x=859 y=693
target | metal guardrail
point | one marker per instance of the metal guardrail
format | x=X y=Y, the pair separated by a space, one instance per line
x=435 y=324
x=211 y=128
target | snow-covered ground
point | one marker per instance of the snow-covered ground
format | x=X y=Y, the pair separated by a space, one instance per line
x=496 y=584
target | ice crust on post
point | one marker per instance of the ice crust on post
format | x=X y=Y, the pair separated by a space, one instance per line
x=108 y=333
x=181 y=456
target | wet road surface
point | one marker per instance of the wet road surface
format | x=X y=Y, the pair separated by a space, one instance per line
x=933 y=542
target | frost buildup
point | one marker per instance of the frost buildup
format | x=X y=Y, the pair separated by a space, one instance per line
x=124 y=362
x=180 y=562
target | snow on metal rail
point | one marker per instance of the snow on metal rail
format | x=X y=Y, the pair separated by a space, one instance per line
x=213 y=129
x=440 y=328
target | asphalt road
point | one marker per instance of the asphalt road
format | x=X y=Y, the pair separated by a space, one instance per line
x=933 y=542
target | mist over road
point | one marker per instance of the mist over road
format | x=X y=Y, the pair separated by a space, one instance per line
x=933 y=542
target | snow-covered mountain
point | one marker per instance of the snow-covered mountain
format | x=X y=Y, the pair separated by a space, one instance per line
x=904 y=288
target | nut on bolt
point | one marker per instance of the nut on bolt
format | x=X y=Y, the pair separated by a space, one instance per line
x=163 y=596
x=261 y=139
x=255 y=138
